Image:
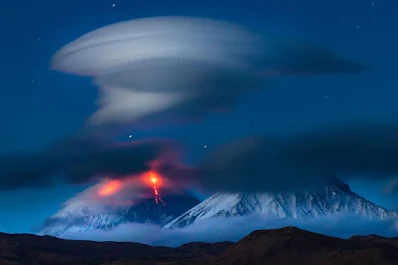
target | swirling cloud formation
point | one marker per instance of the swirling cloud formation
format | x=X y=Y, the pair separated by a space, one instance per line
x=183 y=66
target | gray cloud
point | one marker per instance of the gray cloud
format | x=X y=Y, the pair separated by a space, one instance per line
x=181 y=67
x=82 y=159
x=392 y=185
x=263 y=163
x=303 y=160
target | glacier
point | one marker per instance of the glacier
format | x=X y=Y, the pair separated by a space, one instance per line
x=329 y=200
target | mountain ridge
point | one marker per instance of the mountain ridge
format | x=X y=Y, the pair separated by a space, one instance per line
x=146 y=211
x=283 y=246
x=329 y=200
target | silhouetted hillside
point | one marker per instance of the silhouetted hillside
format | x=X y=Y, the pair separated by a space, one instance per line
x=288 y=246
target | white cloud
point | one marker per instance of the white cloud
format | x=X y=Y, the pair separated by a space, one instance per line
x=151 y=65
x=233 y=229
x=184 y=65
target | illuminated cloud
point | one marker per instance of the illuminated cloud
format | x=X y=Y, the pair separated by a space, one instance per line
x=83 y=160
x=112 y=202
x=141 y=40
x=183 y=66
x=99 y=198
x=264 y=163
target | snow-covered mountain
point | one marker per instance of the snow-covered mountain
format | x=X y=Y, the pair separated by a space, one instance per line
x=329 y=200
x=85 y=216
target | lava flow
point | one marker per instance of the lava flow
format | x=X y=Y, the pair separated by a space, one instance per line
x=154 y=179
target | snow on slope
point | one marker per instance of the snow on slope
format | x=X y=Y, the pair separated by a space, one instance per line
x=83 y=216
x=327 y=201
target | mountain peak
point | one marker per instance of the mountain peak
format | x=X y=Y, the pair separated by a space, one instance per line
x=86 y=216
x=269 y=233
x=283 y=230
x=328 y=200
x=343 y=186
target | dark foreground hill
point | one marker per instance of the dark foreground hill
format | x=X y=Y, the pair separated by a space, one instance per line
x=265 y=247
x=294 y=246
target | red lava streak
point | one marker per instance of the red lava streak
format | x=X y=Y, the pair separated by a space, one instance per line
x=154 y=179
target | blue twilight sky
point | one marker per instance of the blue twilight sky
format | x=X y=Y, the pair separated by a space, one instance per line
x=39 y=106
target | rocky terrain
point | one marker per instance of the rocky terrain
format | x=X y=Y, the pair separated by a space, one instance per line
x=264 y=247
x=294 y=246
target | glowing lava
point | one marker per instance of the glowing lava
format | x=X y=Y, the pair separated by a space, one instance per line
x=110 y=188
x=154 y=180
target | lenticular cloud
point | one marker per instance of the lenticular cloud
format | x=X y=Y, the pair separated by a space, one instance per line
x=183 y=66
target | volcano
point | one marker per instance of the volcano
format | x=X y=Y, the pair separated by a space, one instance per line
x=84 y=215
x=329 y=200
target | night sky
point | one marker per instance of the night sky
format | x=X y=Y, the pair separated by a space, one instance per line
x=39 y=106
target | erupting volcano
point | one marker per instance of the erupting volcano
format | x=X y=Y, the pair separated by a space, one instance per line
x=151 y=179
x=154 y=180
x=134 y=199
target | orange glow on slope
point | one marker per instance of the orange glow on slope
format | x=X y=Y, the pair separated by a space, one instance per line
x=110 y=188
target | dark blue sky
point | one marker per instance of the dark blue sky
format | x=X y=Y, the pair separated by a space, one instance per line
x=39 y=106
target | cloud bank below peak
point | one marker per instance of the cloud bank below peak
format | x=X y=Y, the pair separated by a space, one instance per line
x=233 y=229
